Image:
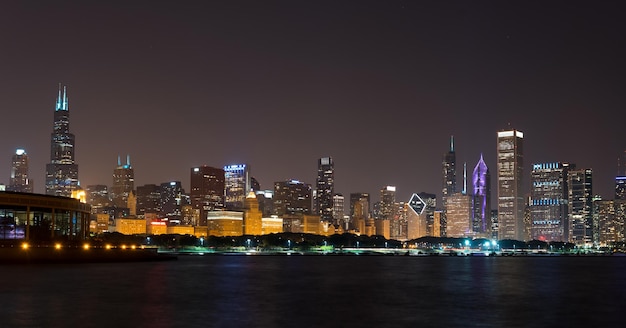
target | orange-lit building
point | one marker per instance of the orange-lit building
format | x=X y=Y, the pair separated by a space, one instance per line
x=224 y=223
x=252 y=217
x=273 y=224
x=130 y=225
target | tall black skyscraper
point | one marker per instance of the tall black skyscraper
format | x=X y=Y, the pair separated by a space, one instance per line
x=325 y=188
x=123 y=183
x=61 y=172
x=449 y=181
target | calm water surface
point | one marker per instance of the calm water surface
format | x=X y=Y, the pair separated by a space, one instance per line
x=319 y=291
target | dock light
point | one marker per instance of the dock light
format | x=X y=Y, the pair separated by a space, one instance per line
x=108 y=246
x=86 y=246
x=123 y=246
x=133 y=247
x=57 y=246
x=25 y=246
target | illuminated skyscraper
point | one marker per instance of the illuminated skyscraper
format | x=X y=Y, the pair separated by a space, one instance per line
x=207 y=190
x=338 y=207
x=325 y=188
x=292 y=197
x=610 y=216
x=148 y=199
x=481 y=194
x=416 y=218
x=98 y=198
x=123 y=183
x=173 y=199
x=387 y=204
x=237 y=185
x=360 y=202
x=548 y=204
x=449 y=182
x=19 y=173
x=458 y=215
x=580 y=203
x=430 y=200
x=510 y=156
x=62 y=171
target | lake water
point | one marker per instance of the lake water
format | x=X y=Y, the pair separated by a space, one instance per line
x=319 y=291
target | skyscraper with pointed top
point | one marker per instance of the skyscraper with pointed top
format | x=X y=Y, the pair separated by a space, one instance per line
x=481 y=198
x=62 y=171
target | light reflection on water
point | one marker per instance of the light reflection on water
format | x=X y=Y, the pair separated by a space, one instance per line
x=318 y=291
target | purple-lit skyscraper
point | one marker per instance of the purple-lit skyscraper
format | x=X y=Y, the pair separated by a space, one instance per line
x=481 y=194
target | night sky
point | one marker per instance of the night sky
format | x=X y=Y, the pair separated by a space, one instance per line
x=380 y=86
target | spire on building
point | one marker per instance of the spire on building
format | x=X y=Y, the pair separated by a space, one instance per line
x=452 y=144
x=464 y=191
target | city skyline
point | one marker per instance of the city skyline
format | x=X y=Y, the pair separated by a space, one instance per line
x=379 y=87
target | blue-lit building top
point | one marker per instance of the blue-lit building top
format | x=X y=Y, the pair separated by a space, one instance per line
x=62 y=171
x=620 y=188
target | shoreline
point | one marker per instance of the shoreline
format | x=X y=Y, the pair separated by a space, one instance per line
x=39 y=255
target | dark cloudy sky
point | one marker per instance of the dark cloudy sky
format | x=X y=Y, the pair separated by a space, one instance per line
x=378 y=85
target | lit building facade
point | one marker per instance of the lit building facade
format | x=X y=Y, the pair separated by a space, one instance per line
x=207 y=190
x=148 y=199
x=481 y=199
x=173 y=198
x=610 y=216
x=62 y=171
x=325 y=188
x=387 y=204
x=338 y=208
x=580 y=203
x=272 y=224
x=123 y=183
x=416 y=218
x=292 y=197
x=510 y=161
x=42 y=218
x=458 y=215
x=548 y=202
x=361 y=201
x=237 y=184
x=224 y=223
x=20 y=180
x=252 y=217
x=430 y=200
x=130 y=226
x=620 y=187
x=98 y=197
